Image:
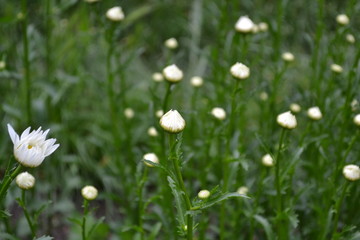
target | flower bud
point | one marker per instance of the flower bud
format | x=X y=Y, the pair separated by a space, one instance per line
x=172 y=122
x=152 y=158
x=357 y=120
x=157 y=77
x=91 y=1
x=129 y=113
x=204 y=194
x=263 y=26
x=342 y=19
x=242 y=190
x=350 y=38
x=354 y=105
x=171 y=43
x=288 y=57
x=152 y=132
x=336 y=68
x=267 y=160
x=295 y=108
x=218 y=113
x=264 y=96
x=89 y=192
x=240 y=71
x=244 y=25
x=287 y=120
x=2 y=65
x=25 y=180
x=173 y=74
x=196 y=81
x=314 y=113
x=351 y=172
x=159 y=113
x=115 y=14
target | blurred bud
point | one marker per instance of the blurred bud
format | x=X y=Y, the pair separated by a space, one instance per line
x=171 y=43
x=314 y=113
x=218 y=113
x=263 y=26
x=240 y=71
x=295 y=108
x=129 y=113
x=115 y=14
x=267 y=160
x=244 y=25
x=159 y=113
x=157 y=77
x=354 y=105
x=2 y=65
x=89 y=192
x=173 y=74
x=351 y=172
x=196 y=81
x=288 y=57
x=350 y=38
x=152 y=132
x=264 y=96
x=287 y=120
x=242 y=190
x=342 y=19
x=336 y=68
x=357 y=120
x=204 y=194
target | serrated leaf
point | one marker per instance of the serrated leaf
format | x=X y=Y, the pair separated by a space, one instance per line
x=159 y=166
x=98 y=222
x=266 y=225
x=179 y=203
x=155 y=231
x=5 y=214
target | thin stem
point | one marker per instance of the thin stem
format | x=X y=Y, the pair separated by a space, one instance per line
x=279 y=199
x=83 y=226
x=338 y=206
x=26 y=63
x=6 y=182
x=175 y=162
x=166 y=98
x=141 y=204
x=27 y=215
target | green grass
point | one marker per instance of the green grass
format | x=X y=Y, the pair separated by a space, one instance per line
x=76 y=72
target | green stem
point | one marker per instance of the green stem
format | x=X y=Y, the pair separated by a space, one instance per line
x=6 y=182
x=279 y=26
x=338 y=206
x=26 y=63
x=279 y=199
x=166 y=98
x=175 y=162
x=141 y=204
x=27 y=215
x=83 y=226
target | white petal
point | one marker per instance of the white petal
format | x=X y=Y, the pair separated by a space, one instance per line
x=51 y=149
x=13 y=135
x=25 y=133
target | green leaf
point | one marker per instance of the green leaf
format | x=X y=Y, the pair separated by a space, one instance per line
x=5 y=214
x=45 y=238
x=98 y=222
x=155 y=231
x=162 y=167
x=266 y=225
x=179 y=203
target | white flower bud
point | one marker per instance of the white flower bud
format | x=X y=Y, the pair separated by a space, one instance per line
x=350 y=38
x=172 y=122
x=255 y=29
x=354 y=105
x=342 y=19
x=314 y=113
x=171 y=43
x=336 y=68
x=91 y=1
x=242 y=190
x=287 y=120
x=196 y=81
x=240 y=71
x=115 y=14
x=295 y=108
x=351 y=172
x=152 y=132
x=204 y=194
x=159 y=113
x=173 y=74
x=2 y=65
x=25 y=180
x=89 y=192
x=244 y=25
x=264 y=96
x=357 y=120
x=157 y=77
x=152 y=158
x=129 y=113
x=267 y=160
x=218 y=113
x=263 y=26
x=288 y=57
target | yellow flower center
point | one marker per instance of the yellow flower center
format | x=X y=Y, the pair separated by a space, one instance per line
x=30 y=146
